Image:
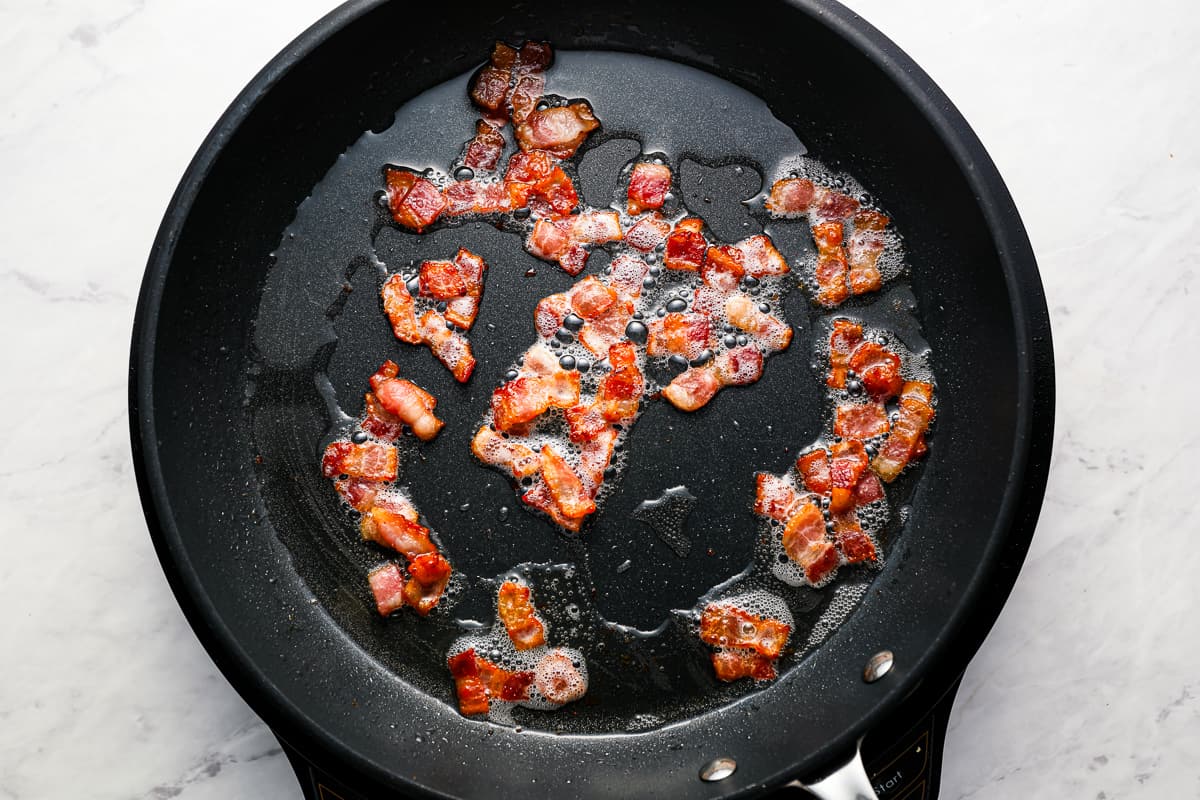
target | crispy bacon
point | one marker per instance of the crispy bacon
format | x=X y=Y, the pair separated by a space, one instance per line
x=516 y=612
x=525 y=95
x=774 y=497
x=590 y=298
x=804 y=542
x=790 y=197
x=477 y=197
x=359 y=494
x=406 y=401
x=371 y=461
x=552 y=240
x=814 y=471
x=854 y=543
x=594 y=458
x=378 y=421
x=648 y=232
x=440 y=280
x=398 y=305
x=428 y=575
x=558 y=679
x=518 y=402
x=772 y=332
x=607 y=329
x=878 y=368
x=844 y=337
x=692 y=388
x=483 y=151
x=397 y=532
x=724 y=625
x=448 y=347
x=862 y=254
x=503 y=684
x=415 y=202
x=648 y=187
x=860 y=421
x=685 y=334
x=584 y=423
x=461 y=311
x=565 y=487
x=722 y=268
x=760 y=257
x=535 y=175
x=739 y=366
x=558 y=130
x=550 y=312
x=490 y=87
x=472 y=694
x=686 y=246
x=628 y=272
x=846 y=465
x=732 y=665
x=387 y=586
x=492 y=448
x=868 y=489
x=620 y=391
x=831 y=264
x=830 y=205
x=916 y=412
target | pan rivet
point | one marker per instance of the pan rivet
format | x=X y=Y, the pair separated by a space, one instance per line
x=718 y=769
x=879 y=665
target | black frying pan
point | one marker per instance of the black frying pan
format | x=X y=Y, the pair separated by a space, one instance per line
x=228 y=420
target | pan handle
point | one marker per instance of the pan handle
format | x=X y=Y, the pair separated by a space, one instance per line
x=848 y=782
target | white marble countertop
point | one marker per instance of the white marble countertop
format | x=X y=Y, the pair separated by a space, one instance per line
x=1087 y=686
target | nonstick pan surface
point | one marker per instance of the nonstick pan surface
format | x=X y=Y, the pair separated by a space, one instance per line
x=229 y=410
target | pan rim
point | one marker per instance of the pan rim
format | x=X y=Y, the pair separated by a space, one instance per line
x=1019 y=507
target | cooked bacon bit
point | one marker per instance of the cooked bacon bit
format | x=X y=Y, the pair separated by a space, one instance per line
x=535 y=175
x=760 y=257
x=814 y=471
x=920 y=448
x=534 y=56
x=398 y=305
x=648 y=232
x=867 y=220
x=620 y=391
x=601 y=333
x=831 y=205
x=558 y=130
x=539 y=498
x=709 y=300
x=397 y=532
x=596 y=227
x=590 y=298
x=387 y=585
x=845 y=336
x=804 y=543
x=648 y=187
x=549 y=238
x=584 y=423
x=868 y=490
x=503 y=684
x=550 y=312
x=686 y=246
x=862 y=253
x=627 y=275
x=558 y=679
x=408 y=402
x=846 y=466
x=860 y=421
x=483 y=152
x=397 y=504
x=525 y=95
x=359 y=494
x=878 y=368
x=517 y=402
x=472 y=695
x=724 y=625
x=492 y=448
x=448 y=347
x=440 y=280
x=490 y=87
x=371 y=461
x=831 y=264
x=477 y=197
x=516 y=612
x=594 y=458
x=772 y=332
x=854 y=543
x=739 y=366
x=774 y=497
x=722 y=268
x=428 y=576
x=692 y=388
x=685 y=334
x=732 y=665
x=461 y=311
x=379 y=422
x=790 y=197
x=415 y=202
x=916 y=412
x=565 y=487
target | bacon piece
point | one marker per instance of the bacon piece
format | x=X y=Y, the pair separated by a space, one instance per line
x=539 y=497
x=550 y=312
x=868 y=489
x=535 y=175
x=525 y=95
x=415 y=202
x=628 y=272
x=867 y=220
x=534 y=56
x=774 y=497
x=648 y=232
x=379 y=422
x=477 y=197
x=387 y=586
x=686 y=246
x=804 y=543
x=552 y=240
x=492 y=448
x=685 y=334
x=862 y=254
x=590 y=298
x=832 y=205
x=483 y=151
x=620 y=391
x=731 y=665
x=831 y=264
x=490 y=87
x=860 y=421
x=878 y=368
x=428 y=576
x=398 y=305
x=472 y=694
x=584 y=423
x=594 y=458
x=408 y=402
x=844 y=337
x=503 y=684
x=596 y=227
x=565 y=487
x=916 y=412
x=648 y=187
x=516 y=612
x=396 y=532
x=692 y=388
x=760 y=257
x=814 y=471
x=558 y=130
x=846 y=465
x=709 y=301
x=722 y=268
x=773 y=333
x=359 y=494
x=461 y=311
x=739 y=366
x=724 y=625
x=448 y=347
x=558 y=679
x=790 y=197
x=440 y=280
x=517 y=402
x=370 y=460
x=854 y=543
x=606 y=330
